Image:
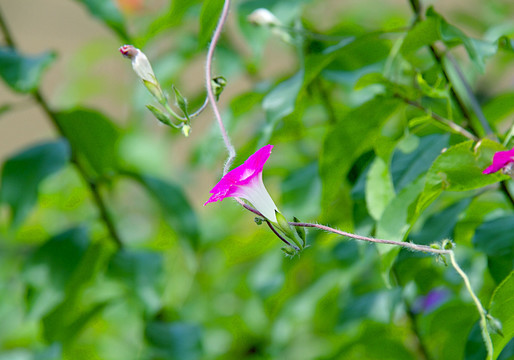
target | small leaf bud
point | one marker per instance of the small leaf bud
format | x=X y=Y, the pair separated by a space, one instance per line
x=186 y=129
x=218 y=84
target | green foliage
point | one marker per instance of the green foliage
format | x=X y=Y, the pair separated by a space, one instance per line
x=501 y=308
x=108 y=12
x=22 y=72
x=20 y=191
x=377 y=118
x=211 y=9
x=176 y=208
x=93 y=138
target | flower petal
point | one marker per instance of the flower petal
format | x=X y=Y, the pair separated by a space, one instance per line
x=500 y=160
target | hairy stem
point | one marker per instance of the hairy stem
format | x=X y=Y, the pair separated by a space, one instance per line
x=426 y=249
x=407 y=245
x=483 y=320
x=210 y=94
x=93 y=187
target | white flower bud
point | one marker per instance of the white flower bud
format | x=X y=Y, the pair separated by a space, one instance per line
x=144 y=70
x=263 y=17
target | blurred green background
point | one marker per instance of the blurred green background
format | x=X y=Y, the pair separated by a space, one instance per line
x=194 y=282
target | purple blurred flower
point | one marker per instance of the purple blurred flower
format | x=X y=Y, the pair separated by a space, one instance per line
x=431 y=301
x=501 y=160
x=245 y=181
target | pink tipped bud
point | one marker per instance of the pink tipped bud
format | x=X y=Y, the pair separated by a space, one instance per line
x=144 y=70
x=128 y=51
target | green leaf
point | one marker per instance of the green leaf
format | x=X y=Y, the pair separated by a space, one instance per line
x=499 y=108
x=460 y=169
x=394 y=225
x=65 y=322
x=501 y=307
x=178 y=213
x=424 y=33
x=142 y=272
x=376 y=341
x=404 y=91
x=22 y=174
x=108 y=12
x=414 y=156
x=349 y=139
x=211 y=10
x=494 y=238
x=93 y=137
x=281 y=100
x=49 y=271
x=22 y=72
x=379 y=188
x=435 y=28
x=174 y=341
x=176 y=12
x=446 y=329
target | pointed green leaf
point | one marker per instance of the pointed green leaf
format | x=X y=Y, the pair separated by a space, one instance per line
x=379 y=188
x=460 y=169
x=23 y=72
x=211 y=10
x=394 y=225
x=501 y=307
x=93 y=137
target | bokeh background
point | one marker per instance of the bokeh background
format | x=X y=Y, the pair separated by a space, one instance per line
x=197 y=282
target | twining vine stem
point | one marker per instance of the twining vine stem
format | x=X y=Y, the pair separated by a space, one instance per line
x=93 y=186
x=210 y=94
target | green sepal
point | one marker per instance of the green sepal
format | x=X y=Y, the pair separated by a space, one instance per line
x=494 y=325
x=156 y=91
x=284 y=226
x=289 y=251
x=300 y=231
x=159 y=115
x=181 y=102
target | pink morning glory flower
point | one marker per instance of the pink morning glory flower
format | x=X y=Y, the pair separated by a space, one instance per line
x=245 y=181
x=501 y=160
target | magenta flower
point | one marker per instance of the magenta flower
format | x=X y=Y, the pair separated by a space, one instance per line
x=501 y=160
x=245 y=181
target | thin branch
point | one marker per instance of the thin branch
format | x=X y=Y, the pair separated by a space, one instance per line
x=93 y=187
x=5 y=30
x=471 y=96
x=407 y=245
x=210 y=94
x=97 y=197
x=418 y=11
x=456 y=128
